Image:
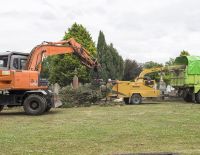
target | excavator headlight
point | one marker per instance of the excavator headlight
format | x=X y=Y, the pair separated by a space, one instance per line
x=5 y=72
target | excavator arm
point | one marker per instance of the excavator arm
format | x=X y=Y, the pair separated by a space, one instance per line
x=69 y=46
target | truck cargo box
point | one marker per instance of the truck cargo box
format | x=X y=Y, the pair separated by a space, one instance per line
x=190 y=76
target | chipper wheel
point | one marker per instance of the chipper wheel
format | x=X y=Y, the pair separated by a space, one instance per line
x=1 y=107
x=35 y=104
x=197 y=97
x=136 y=99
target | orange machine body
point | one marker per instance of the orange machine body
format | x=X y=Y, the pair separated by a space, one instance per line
x=20 y=80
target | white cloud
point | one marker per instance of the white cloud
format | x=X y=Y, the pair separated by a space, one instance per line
x=140 y=29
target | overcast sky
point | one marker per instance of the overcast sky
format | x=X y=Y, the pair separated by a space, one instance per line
x=143 y=30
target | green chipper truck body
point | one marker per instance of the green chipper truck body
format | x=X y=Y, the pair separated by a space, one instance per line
x=187 y=81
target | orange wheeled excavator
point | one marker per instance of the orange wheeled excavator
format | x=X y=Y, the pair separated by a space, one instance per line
x=20 y=81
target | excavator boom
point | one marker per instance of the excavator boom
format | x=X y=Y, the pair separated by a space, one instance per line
x=69 y=46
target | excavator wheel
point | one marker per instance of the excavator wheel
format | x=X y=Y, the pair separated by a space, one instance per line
x=197 y=97
x=35 y=104
x=1 y=107
x=136 y=99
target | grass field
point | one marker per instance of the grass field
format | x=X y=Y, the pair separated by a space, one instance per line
x=159 y=127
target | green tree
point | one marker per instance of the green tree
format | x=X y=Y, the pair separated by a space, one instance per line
x=152 y=64
x=111 y=62
x=184 y=53
x=102 y=55
x=115 y=63
x=131 y=69
x=170 y=62
x=62 y=68
x=82 y=36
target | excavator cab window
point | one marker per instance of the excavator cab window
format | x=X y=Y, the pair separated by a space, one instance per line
x=15 y=63
x=23 y=63
x=3 y=62
x=18 y=62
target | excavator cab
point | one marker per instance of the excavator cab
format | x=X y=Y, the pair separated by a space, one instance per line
x=3 y=62
x=13 y=61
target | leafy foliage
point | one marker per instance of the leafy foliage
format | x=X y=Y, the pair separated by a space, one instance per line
x=167 y=76
x=131 y=69
x=85 y=95
x=61 y=68
x=184 y=53
x=152 y=64
x=170 y=62
x=112 y=64
x=82 y=36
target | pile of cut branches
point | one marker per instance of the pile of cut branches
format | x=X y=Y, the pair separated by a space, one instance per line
x=85 y=95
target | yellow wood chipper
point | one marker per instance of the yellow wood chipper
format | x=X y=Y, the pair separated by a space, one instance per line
x=134 y=92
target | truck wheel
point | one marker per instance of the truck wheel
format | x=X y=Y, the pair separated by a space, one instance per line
x=126 y=100
x=136 y=99
x=35 y=104
x=197 y=97
x=1 y=107
x=187 y=98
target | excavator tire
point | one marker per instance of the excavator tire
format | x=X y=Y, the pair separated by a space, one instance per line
x=136 y=99
x=197 y=97
x=35 y=104
x=1 y=107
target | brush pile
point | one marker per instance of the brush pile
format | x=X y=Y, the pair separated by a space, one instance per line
x=85 y=95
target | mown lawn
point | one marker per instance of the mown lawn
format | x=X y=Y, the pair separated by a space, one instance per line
x=159 y=127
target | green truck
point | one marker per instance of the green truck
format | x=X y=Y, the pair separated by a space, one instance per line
x=187 y=80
